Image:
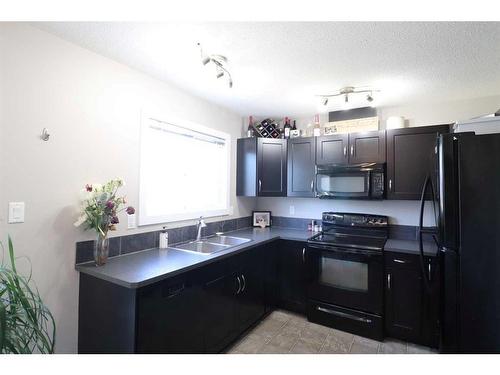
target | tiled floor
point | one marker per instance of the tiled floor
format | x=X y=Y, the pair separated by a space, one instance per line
x=284 y=332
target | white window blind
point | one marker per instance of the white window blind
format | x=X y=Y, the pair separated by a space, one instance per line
x=184 y=171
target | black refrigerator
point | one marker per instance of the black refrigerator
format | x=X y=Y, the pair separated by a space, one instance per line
x=469 y=237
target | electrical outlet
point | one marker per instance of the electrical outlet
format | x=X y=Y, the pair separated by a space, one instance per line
x=131 y=221
x=292 y=210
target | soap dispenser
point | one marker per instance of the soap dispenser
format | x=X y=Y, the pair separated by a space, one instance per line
x=164 y=238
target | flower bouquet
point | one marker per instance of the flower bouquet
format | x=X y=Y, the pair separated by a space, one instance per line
x=100 y=209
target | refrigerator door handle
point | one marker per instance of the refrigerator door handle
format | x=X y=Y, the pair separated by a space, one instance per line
x=427 y=183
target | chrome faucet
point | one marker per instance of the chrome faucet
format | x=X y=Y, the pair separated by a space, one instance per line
x=201 y=224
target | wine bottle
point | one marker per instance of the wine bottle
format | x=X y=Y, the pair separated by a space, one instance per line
x=287 y=128
x=250 y=131
x=317 y=126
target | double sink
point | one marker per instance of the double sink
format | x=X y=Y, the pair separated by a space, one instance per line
x=211 y=244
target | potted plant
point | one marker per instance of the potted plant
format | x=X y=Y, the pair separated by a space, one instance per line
x=26 y=324
x=100 y=209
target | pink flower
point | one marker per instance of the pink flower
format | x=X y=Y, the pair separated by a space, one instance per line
x=110 y=204
x=114 y=220
x=130 y=210
x=88 y=187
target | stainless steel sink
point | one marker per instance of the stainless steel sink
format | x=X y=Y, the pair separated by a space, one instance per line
x=227 y=240
x=211 y=245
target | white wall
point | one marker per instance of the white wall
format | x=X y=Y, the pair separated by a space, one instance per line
x=91 y=105
x=400 y=212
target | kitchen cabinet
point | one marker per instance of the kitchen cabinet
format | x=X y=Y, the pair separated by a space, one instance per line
x=301 y=161
x=411 y=312
x=261 y=167
x=234 y=298
x=367 y=147
x=168 y=317
x=292 y=275
x=332 y=149
x=352 y=148
x=200 y=311
x=411 y=156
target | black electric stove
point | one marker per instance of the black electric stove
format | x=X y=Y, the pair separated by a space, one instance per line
x=345 y=265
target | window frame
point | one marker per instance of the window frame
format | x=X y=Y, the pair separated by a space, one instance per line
x=145 y=219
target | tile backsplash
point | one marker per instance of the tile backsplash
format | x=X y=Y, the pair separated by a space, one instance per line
x=141 y=241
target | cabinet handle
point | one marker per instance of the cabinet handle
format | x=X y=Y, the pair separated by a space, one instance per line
x=345 y=151
x=304 y=255
x=400 y=261
x=312 y=185
x=244 y=283
x=430 y=273
x=388 y=281
x=260 y=185
x=390 y=184
x=352 y=150
x=239 y=285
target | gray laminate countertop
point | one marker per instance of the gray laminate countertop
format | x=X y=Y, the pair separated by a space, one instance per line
x=148 y=266
x=410 y=247
x=145 y=267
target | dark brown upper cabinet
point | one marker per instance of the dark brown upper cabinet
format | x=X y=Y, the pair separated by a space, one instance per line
x=353 y=148
x=261 y=167
x=300 y=174
x=367 y=147
x=411 y=156
x=332 y=149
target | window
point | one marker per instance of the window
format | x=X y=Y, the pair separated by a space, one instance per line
x=184 y=171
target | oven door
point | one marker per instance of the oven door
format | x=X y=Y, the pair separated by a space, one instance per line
x=343 y=184
x=344 y=277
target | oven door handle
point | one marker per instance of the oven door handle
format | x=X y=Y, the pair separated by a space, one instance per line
x=344 y=315
x=338 y=250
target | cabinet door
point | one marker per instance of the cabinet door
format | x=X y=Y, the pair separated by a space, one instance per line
x=301 y=159
x=403 y=297
x=168 y=320
x=251 y=301
x=271 y=167
x=332 y=149
x=292 y=279
x=411 y=156
x=367 y=147
x=219 y=312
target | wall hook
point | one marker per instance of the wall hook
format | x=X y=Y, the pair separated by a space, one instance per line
x=45 y=134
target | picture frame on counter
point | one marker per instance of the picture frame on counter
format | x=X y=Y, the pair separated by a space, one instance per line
x=261 y=219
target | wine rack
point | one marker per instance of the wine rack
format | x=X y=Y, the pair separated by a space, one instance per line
x=267 y=129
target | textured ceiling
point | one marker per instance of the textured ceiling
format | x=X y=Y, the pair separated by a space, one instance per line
x=278 y=67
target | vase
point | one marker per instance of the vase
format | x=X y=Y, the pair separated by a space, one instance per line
x=101 y=250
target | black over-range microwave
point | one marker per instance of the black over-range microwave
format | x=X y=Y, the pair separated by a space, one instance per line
x=360 y=181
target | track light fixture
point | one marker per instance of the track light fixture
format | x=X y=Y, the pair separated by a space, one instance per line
x=349 y=90
x=220 y=63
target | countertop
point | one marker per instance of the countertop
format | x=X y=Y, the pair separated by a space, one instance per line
x=145 y=267
x=410 y=247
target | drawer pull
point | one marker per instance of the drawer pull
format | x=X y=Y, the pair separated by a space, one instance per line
x=400 y=261
x=344 y=315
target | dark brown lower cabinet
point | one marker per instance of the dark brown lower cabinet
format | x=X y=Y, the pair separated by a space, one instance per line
x=411 y=311
x=292 y=279
x=201 y=311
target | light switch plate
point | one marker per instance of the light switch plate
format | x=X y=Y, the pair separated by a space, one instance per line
x=131 y=221
x=16 y=212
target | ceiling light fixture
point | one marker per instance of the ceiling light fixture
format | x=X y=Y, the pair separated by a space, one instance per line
x=220 y=63
x=350 y=90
